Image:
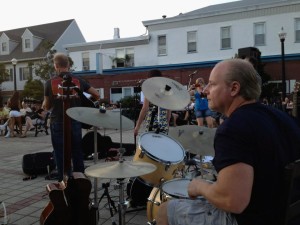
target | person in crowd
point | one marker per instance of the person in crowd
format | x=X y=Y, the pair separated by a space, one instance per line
x=3 y=120
x=53 y=103
x=15 y=116
x=250 y=157
x=202 y=110
x=37 y=117
x=149 y=113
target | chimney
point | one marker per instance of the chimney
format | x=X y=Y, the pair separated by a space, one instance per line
x=116 y=33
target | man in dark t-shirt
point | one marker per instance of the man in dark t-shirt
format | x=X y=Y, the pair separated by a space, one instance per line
x=54 y=104
x=252 y=147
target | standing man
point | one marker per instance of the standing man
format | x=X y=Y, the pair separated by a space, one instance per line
x=53 y=103
x=252 y=147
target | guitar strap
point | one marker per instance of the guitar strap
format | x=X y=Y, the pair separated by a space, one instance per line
x=57 y=81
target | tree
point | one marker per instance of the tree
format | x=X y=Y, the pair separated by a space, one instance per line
x=33 y=89
x=3 y=73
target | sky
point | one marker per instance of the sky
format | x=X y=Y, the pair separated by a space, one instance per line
x=96 y=19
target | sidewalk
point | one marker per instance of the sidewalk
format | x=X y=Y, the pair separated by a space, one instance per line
x=25 y=200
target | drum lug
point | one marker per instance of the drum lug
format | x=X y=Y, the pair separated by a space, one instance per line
x=167 y=166
x=154 y=202
x=141 y=155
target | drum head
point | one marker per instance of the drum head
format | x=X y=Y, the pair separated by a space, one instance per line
x=161 y=147
x=176 y=188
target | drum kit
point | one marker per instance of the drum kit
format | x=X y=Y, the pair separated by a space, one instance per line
x=159 y=158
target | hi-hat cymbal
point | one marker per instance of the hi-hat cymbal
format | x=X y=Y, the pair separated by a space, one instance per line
x=195 y=139
x=92 y=116
x=124 y=169
x=166 y=93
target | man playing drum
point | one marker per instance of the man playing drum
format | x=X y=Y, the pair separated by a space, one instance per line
x=252 y=147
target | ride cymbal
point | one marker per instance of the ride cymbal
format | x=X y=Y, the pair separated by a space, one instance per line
x=123 y=169
x=166 y=93
x=195 y=139
x=92 y=116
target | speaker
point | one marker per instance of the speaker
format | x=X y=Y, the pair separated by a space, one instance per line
x=249 y=52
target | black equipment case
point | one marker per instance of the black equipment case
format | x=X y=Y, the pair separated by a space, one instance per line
x=38 y=163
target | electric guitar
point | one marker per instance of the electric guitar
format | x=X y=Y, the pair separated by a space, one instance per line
x=69 y=199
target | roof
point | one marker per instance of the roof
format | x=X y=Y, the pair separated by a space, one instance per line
x=48 y=32
x=224 y=8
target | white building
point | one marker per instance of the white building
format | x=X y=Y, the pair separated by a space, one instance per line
x=198 y=39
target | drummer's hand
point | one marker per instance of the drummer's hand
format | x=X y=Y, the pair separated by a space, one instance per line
x=194 y=188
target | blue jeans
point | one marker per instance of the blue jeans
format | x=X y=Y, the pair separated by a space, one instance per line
x=57 y=138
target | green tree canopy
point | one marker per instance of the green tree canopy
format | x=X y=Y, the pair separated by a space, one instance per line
x=33 y=89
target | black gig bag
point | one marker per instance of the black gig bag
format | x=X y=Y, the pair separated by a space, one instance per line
x=38 y=163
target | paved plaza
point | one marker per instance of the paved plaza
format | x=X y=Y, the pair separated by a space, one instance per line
x=25 y=200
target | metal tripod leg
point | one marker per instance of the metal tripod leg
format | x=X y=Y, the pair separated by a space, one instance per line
x=111 y=203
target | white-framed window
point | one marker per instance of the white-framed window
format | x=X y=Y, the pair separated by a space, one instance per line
x=85 y=61
x=259 y=34
x=162 y=45
x=225 y=37
x=25 y=73
x=27 y=43
x=192 y=41
x=124 y=57
x=4 y=47
x=297 y=30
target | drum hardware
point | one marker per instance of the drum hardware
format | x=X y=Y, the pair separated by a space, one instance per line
x=110 y=202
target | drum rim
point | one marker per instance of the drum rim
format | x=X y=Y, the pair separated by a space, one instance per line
x=143 y=150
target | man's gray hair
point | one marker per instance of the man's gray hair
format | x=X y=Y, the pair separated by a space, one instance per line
x=245 y=74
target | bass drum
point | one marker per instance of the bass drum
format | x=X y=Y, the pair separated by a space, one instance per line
x=138 y=192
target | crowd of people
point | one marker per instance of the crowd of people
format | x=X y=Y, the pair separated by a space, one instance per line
x=16 y=114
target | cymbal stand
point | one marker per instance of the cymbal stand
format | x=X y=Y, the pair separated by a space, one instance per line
x=95 y=204
x=111 y=203
x=122 y=203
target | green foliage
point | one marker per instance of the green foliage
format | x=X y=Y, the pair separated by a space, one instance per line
x=130 y=107
x=33 y=89
x=3 y=73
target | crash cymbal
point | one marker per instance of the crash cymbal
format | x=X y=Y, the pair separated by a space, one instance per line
x=124 y=169
x=92 y=116
x=166 y=93
x=195 y=139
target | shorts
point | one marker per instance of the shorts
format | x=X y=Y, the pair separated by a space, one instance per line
x=15 y=113
x=203 y=113
x=197 y=212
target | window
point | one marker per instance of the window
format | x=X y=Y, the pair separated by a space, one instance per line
x=124 y=57
x=259 y=34
x=162 y=45
x=4 y=47
x=297 y=30
x=191 y=41
x=25 y=73
x=85 y=61
x=225 y=37
x=27 y=43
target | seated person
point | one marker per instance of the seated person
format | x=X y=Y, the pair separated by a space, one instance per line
x=37 y=117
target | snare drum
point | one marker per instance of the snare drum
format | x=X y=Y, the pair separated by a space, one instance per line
x=176 y=188
x=164 y=152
